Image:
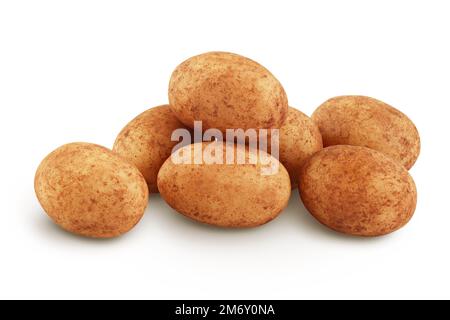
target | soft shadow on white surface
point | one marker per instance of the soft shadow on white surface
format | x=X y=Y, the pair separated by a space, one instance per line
x=295 y=218
x=179 y=221
x=47 y=228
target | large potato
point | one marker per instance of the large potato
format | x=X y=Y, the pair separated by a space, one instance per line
x=89 y=190
x=146 y=142
x=226 y=195
x=299 y=139
x=357 y=190
x=226 y=91
x=367 y=122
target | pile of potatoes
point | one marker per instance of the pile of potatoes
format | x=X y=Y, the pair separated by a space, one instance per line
x=350 y=160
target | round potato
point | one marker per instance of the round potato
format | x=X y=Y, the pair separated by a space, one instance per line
x=146 y=142
x=89 y=190
x=357 y=191
x=227 y=195
x=367 y=122
x=227 y=91
x=299 y=139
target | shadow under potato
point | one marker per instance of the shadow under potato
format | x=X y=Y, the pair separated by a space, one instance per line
x=295 y=218
x=179 y=221
x=52 y=231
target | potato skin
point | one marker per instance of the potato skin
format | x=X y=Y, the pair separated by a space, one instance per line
x=299 y=139
x=224 y=195
x=146 y=142
x=89 y=190
x=225 y=91
x=357 y=191
x=367 y=122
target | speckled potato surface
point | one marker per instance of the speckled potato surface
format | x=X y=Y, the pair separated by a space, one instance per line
x=146 y=142
x=89 y=190
x=226 y=90
x=367 y=122
x=299 y=139
x=225 y=195
x=357 y=191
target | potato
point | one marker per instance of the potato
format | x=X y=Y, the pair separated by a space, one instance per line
x=227 y=91
x=367 y=122
x=357 y=191
x=225 y=195
x=146 y=142
x=89 y=190
x=299 y=139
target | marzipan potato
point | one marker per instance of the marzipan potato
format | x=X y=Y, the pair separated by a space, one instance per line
x=367 y=122
x=299 y=139
x=227 y=91
x=146 y=142
x=225 y=195
x=357 y=191
x=89 y=190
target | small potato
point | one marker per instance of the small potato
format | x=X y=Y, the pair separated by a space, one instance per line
x=357 y=191
x=146 y=142
x=89 y=190
x=299 y=139
x=225 y=195
x=227 y=91
x=367 y=122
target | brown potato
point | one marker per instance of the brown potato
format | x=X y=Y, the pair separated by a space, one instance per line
x=225 y=195
x=367 y=122
x=226 y=91
x=357 y=191
x=89 y=190
x=299 y=139
x=146 y=142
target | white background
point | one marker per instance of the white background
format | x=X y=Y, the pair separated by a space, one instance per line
x=80 y=70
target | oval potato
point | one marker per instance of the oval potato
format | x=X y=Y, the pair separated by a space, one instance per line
x=227 y=91
x=89 y=190
x=357 y=191
x=146 y=142
x=299 y=139
x=367 y=122
x=225 y=195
